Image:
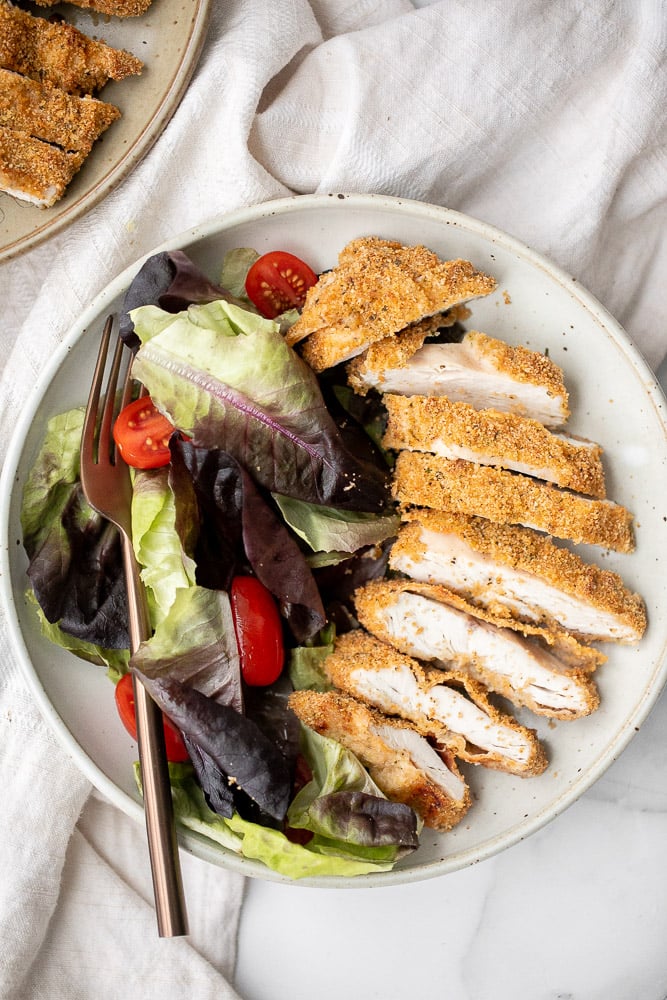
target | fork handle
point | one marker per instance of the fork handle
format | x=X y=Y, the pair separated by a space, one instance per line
x=158 y=805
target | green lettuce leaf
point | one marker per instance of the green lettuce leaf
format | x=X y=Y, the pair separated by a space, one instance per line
x=226 y=378
x=272 y=847
x=331 y=530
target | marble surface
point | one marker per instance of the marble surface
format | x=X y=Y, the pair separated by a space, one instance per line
x=575 y=912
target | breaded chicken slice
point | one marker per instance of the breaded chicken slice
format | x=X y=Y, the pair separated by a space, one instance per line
x=49 y=114
x=438 y=703
x=401 y=762
x=429 y=624
x=59 y=54
x=517 y=573
x=397 y=349
x=35 y=171
x=379 y=288
x=116 y=8
x=480 y=370
x=490 y=437
x=423 y=480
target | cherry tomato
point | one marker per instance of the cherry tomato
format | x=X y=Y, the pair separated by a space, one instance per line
x=174 y=744
x=142 y=434
x=278 y=281
x=258 y=631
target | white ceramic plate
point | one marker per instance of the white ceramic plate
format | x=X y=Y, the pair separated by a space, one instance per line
x=615 y=400
x=168 y=39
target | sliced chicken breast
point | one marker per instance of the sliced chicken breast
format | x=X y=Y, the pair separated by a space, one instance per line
x=436 y=702
x=58 y=54
x=116 y=8
x=379 y=288
x=510 y=498
x=518 y=573
x=491 y=437
x=35 y=171
x=423 y=625
x=401 y=762
x=47 y=113
x=480 y=370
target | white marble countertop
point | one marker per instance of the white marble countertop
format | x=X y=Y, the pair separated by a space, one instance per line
x=575 y=912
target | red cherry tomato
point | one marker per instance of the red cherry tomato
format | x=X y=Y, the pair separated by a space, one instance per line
x=278 y=281
x=142 y=434
x=258 y=631
x=174 y=744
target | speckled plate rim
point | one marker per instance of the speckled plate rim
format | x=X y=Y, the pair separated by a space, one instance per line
x=58 y=218
x=194 y=843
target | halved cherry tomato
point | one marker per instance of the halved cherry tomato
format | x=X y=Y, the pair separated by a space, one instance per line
x=278 y=281
x=174 y=744
x=258 y=631
x=142 y=434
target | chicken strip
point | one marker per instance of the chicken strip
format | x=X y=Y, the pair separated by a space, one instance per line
x=398 y=348
x=116 y=8
x=35 y=171
x=517 y=573
x=47 y=113
x=492 y=437
x=59 y=54
x=479 y=370
x=379 y=288
x=401 y=762
x=438 y=703
x=510 y=498
x=422 y=623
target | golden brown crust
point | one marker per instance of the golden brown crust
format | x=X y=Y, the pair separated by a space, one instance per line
x=47 y=113
x=36 y=169
x=520 y=363
x=59 y=54
x=396 y=351
x=565 y=647
x=429 y=423
x=379 y=288
x=528 y=551
x=353 y=725
x=425 y=480
x=371 y=599
x=116 y=8
x=357 y=650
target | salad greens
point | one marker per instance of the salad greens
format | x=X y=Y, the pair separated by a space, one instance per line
x=227 y=378
x=262 y=481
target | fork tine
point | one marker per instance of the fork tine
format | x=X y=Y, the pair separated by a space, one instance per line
x=89 y=432
x=105 y=444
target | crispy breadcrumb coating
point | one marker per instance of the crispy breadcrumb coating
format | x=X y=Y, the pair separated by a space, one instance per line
x=525 y=682
x=35 y=170
x=526 y=551
x=357 y=652
x=379 y=288
x=47 y=113
x=395 y=351
x=458 y=430
x=116 y=8
x=356 y=726
x=478 y=353
x=522 y=364
x=424 y=480
x=59 y=54
x=565 y=647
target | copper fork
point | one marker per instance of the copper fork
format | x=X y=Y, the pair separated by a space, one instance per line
x=105 y=479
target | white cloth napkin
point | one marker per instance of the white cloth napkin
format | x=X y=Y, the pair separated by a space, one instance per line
x=544 y=119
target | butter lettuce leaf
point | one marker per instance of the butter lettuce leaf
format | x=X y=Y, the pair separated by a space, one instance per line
x=227 y=379
x=330 y=529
